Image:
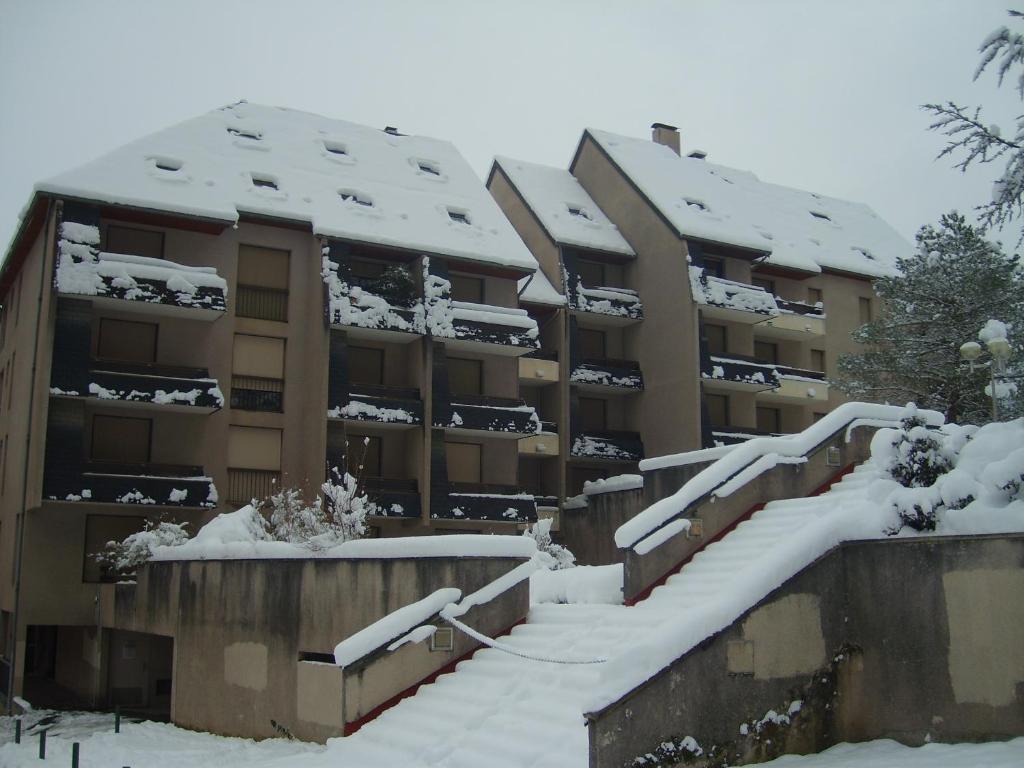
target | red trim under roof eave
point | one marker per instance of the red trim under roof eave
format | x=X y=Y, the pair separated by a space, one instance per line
x=26 y=235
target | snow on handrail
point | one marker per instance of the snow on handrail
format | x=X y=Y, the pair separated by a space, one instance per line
x=713 y=479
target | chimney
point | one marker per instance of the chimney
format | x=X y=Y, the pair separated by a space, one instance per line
x=665 y=134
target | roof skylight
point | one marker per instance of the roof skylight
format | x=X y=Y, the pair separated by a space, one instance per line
x=265 y=182
x=428 y=167
x=246 y=133
x=863 y=252
x=167 y=164
x=459 y=217
x=698 y=204
x=576 y=210
x=820 y=215
x=335 y=148
x=349 y=196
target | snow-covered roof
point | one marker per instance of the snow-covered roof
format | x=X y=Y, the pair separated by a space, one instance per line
x=800 y=230
x=537 y=289
x=348 y=181
x=566 y=211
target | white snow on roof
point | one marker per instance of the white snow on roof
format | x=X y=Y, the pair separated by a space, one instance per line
x=347 y=180
x=801 y=230
x=537 y=289
x=567 y=212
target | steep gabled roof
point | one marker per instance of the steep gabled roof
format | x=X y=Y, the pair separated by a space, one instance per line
x=537 y=289
x=797 y=229
x=345 y=180
x=565 y=210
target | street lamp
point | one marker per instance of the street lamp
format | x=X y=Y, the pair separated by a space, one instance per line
x=999 y=351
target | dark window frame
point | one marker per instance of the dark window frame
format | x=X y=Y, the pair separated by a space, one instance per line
x=112 y=226
x=92 y=438
x=100 y=335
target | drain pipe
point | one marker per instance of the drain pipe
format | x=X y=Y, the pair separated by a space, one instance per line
x=20 y=543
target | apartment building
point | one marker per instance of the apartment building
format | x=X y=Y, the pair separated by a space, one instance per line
x=694 y=304
x=243 y=302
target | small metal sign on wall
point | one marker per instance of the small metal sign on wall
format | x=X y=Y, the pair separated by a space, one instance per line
x=832 y=456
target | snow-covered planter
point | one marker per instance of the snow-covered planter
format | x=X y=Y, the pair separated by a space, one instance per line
x=361 y=307
x=83 y=270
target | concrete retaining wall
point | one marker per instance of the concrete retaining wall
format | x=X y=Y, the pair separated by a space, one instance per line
x=589 y=532
x=911 y=639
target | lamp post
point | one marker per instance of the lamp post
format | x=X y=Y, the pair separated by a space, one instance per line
x=999 y=351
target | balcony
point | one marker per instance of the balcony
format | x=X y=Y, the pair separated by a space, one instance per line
x=490 y=503
x=383 y=308
x=603 y=305
x=491 y=329
x=140 y=385
x=160 y=485
x=542 y=445
x=386 y=407
x=138 y=284
x=608 y=376
x=538 y=368
x=738 y=373
x=727 y=300
x=501 y=417
x=607 y=445
x=797 y=386
x=796 y=321
x=393 y=498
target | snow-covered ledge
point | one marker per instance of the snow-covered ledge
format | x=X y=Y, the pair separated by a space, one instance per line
x=84 y=270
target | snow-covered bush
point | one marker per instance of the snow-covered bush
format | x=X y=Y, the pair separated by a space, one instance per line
x=560 y=556
x=338 y=514
x=123 y=558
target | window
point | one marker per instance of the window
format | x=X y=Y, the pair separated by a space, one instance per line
x=593 y=414
x=865 y=310
x=814 y=296
x=575 y=210
x=135 y=242
x=464 y=465
x=818 y=359
x=121 y=439
x=427 y=167
x=254 y=463
x=459 y=217
x=366 y=366
x=821 y=216
x=714 y=266
x=246 y=133
x=465 y=377
x=99 y=529
x=718 y=409
x=716 y=336
x=697 y=205
x=262 y=285
x=769 y=419
x=469 y=289
x=766 y=352
x=167 y=164
x=264 y=182
x=257 y=373
x=364 y=450
x=592 y=343
x=590 y=272
x=765 y=283
x=127 y=340
x=335 y=148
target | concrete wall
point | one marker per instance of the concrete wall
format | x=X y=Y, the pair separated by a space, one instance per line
x=240 y=626
x=589 y=532
x=912 y=639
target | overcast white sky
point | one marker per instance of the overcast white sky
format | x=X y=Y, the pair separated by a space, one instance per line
x=818 y=95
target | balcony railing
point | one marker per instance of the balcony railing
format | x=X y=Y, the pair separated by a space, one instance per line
x=502 y=415
x=252 y=393
x=615 y=302
x=492 y=503
x=504 y=327
x=383 y=405
x=607 y=444
x=139 y=383
x=607 y=372
x=143 y=484
x=392 y=498
x=262 y=303
x=713 y=291
x=800 y=308
x=739 y=371
x=732 y=435
x=371 y=304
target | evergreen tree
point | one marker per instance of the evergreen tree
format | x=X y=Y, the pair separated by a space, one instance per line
x=944 y=295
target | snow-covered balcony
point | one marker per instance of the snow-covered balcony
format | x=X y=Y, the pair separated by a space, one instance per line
x=385 y=407
x=140 y=385
x=129 y=283
x=491 y=329
x=542 y=445
x=384 y=308
x=738 y=373
x=796 y=320
x=490 y=503
x=147 y=485
x=392 y=497
x=603 y=305
x=607 y=445
x=608 y=375
x=728 y=300
x=797 y=386
x=500 y=417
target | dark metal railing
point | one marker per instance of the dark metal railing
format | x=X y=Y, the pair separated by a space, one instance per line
x=384 y=392
x=261 y=303
x=799 y=307
x=487 y=400
x=252 y=393
x=804 y=373
x=549 y=426
x=492 y=489
x=543 y=354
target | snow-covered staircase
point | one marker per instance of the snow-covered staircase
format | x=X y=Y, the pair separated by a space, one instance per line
x=498 y=709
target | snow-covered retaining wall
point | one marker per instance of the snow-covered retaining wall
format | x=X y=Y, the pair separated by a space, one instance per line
x=259 y=630
x=915 y=639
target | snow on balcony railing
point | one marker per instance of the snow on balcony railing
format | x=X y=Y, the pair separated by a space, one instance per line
x=358 y=306
x=494 y=325
x=140 y=384
x=492 y=507
x=740 y=371
x=616 y=446
x=489 y=414
x=608 y=373
x=603 y=300
x=144 y=485
x=386 y=405
x=84 y=270
x=800 y=308
x=719 y=292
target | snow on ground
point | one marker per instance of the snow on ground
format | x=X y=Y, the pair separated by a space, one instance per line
x=166 y=746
